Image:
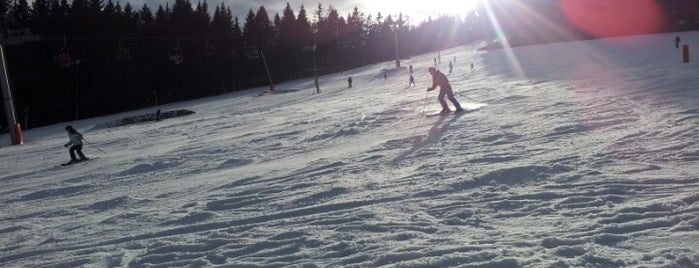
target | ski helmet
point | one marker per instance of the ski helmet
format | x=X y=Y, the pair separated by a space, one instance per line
x=431 y=69
x=69 y=127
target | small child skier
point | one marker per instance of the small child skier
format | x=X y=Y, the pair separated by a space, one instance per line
x=76 y=145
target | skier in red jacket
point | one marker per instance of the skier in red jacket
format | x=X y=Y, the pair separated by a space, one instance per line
x=439 y=79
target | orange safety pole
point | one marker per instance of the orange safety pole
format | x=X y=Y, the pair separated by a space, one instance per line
x=685 y=53
x=18 y=134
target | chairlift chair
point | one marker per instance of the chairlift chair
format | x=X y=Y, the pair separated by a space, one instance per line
x=63 y=57
x=122 y=53
x=251 y=52
x=209 y=49
x=176 y=56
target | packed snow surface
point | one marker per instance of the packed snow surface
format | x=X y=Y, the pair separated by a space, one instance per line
x=580 y=154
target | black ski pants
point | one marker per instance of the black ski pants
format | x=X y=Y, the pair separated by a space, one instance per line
x=76 y=148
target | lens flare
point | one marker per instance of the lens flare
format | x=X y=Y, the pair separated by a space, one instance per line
x=500 y=36
x=611 y=18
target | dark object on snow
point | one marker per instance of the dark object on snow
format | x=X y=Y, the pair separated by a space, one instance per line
x=280 y=91
x=677 y=41
x=144 y=118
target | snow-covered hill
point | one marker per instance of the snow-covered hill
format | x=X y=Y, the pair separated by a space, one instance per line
x=578 y=154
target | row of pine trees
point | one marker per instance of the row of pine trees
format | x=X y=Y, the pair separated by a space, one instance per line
x=94 y=58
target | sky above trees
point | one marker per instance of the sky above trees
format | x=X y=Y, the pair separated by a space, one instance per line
x=418 y=11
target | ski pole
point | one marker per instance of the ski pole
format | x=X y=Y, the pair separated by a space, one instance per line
x=424 y=103
x=470 y=99
x=463 y=95
x=98 y=148
x=422 y=116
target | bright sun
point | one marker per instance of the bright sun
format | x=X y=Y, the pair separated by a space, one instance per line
x=419 y=11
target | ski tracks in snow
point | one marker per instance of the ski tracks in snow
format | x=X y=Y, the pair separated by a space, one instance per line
x=552 y=173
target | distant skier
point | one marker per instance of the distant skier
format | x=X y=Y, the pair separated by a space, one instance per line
x=385 y=75
x=439 y=79
x=677 y=41
x=76 y=145
x=472 y=67
x=411 y=69
x=349 y=82
x=451 y=67
x=412 y=81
